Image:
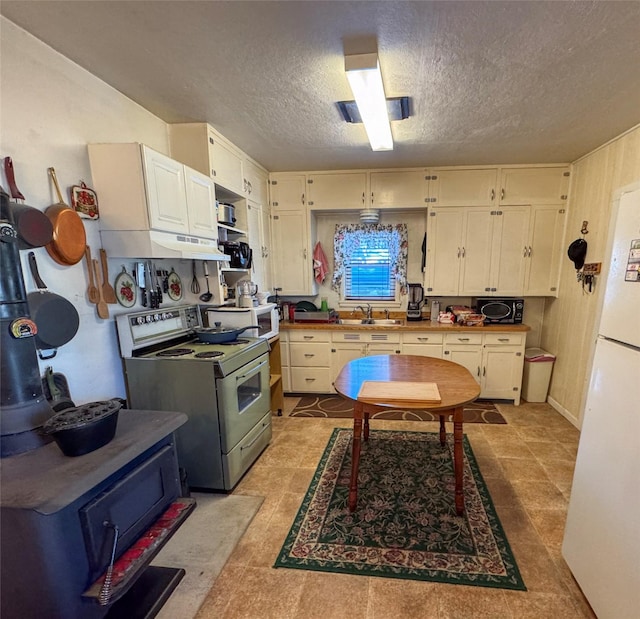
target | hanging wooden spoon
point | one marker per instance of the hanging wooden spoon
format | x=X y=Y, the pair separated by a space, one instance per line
x=92 y=290
x=107 y=289
x=101 y=306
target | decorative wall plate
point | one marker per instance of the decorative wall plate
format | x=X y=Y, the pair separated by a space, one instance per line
x=126 y=289
x=175 y=286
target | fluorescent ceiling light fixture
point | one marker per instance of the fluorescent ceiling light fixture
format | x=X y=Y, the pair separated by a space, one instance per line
x=365 y=79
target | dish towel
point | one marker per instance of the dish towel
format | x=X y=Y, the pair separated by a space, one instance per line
x=320 y=263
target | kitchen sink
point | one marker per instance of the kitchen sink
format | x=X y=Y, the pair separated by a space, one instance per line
x=370 y=323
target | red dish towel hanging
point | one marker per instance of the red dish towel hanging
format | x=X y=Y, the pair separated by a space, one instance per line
x=320 y=263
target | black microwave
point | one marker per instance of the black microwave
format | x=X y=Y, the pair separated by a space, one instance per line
x=501 y=310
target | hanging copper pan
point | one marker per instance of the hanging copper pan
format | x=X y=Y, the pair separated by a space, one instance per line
x=69 y=237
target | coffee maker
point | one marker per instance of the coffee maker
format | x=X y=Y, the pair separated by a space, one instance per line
x=416 y=297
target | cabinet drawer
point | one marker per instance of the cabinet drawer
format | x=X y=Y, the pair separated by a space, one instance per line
x=309 y=336
x=309 y=355
x=422 y=338
x=504 y=339
x=423 y=350
x=463 y=338
x=366 y=336
x=316 y=380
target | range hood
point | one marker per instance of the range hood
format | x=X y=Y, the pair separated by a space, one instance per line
x=157 y=244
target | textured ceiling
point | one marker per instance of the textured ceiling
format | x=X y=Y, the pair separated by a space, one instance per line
x=489 y=82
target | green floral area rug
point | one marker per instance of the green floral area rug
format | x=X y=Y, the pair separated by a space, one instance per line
x=405 y=524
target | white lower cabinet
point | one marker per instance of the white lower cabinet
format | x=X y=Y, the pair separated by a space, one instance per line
x=502 y=366
x=310 y=361
x=495 y=360
x=423 y=344
x=350 y=345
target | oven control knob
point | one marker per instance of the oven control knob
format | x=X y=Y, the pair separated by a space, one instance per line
x=140 y=320
x=156 y=317
x=149 y=318
x=166 y=315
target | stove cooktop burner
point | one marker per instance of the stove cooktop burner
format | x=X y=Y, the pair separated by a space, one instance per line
x=233 y=342
x=208 y=354
x=175 y=352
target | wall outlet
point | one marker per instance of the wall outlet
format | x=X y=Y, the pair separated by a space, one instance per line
x=592 y=268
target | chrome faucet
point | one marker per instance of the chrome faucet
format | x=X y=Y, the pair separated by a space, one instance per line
x=386 y=313
x=367 y=312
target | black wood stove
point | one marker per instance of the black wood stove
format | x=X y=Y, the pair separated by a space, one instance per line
x=78 y=534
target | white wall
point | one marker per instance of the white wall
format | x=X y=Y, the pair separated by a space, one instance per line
x=51 y=109
x=569 y=320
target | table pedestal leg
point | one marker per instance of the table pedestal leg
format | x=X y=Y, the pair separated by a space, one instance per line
x=458 y=464
x=366 y=426
x=443 y=433
x=355 y=457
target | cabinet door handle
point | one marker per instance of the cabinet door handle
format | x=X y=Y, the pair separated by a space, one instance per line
x=464 y=252
x=463 y=339
x=493 y=194
x=484 y=371
x=478 y=370
x=363 y=197
x=308 y=337
x=302 y=199
x=502 y=194
x=304 y=253
x=423 y=339
x=529 y=254
x=309 y=355
x=503 y=339
x=458 y=252
x=524 y=255
x=309 y=380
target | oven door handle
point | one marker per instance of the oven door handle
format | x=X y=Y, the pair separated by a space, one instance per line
x=252 y=372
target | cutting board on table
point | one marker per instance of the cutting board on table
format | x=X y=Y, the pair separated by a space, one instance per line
x=391 y=392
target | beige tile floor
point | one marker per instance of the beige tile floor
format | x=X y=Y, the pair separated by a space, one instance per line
x=528 y=467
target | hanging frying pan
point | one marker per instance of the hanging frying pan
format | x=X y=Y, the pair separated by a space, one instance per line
x=32 y=225
x=69 y=238
x=56 y=318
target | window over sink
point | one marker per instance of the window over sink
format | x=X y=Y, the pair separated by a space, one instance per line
x=370 y=261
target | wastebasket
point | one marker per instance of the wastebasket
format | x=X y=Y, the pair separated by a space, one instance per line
x=538 y=365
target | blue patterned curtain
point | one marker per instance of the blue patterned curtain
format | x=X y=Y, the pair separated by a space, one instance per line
x=347 y=239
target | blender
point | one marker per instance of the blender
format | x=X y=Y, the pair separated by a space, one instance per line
x=416 y=297
x=246 y=290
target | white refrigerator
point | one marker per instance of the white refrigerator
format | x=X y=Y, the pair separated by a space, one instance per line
x=602 y=535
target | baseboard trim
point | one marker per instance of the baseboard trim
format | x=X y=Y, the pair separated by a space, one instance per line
x=563 y=411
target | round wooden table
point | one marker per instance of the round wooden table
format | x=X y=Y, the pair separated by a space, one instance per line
x=455 y=383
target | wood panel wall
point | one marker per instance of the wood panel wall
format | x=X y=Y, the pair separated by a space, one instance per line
x=569 y=320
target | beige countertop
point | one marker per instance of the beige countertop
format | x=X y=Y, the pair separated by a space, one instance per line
x=418 y=325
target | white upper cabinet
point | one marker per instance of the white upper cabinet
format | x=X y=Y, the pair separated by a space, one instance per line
x=534 y=185
x=166 y=192
x=226 y=163
x=292 y=262
x=141 y=189
x=288 y=191
x=509 y=251
x=544 y=250
x=461 y=187
x=201 y=147
x=201 y=201
x=337 y=190
x=258 y=223
x=498 y=186
x=255 y=182
x=399 y=189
